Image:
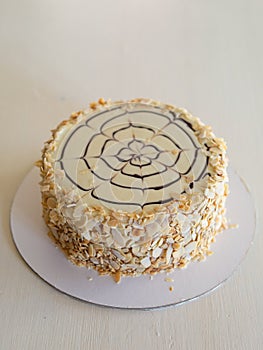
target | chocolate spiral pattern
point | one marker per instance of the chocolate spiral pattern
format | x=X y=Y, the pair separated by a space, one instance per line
x=133 y=156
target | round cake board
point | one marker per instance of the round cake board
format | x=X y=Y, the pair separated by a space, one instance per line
x=144 y=292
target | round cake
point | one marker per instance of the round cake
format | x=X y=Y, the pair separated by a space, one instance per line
x=134 y=187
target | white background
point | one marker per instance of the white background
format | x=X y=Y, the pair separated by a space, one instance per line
x=56 y=57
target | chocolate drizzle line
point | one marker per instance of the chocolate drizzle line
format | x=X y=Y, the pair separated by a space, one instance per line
x=134 y=155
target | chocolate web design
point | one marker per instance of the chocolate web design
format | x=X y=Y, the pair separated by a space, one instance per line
x=132 y=162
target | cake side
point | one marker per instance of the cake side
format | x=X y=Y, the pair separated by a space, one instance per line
x=117 y=242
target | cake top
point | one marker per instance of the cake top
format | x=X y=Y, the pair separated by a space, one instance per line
x=134 y=156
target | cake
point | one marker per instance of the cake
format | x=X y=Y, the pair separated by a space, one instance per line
x=133 y=187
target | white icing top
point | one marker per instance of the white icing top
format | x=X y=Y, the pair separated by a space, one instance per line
x=130 y=156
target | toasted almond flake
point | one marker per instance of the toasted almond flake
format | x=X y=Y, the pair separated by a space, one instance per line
x=146 y=262
x=101 y=101
x=176 y=246
x=182 y=265
x=71 y=205
x=118 y=254
x=209 y=193
x=168 y=279
x=114 y=264
x=204 y=223
x=118 y=238
x=106 y=229
x=209 y=252
x=86 y=235
x=138 y=226
x=82 y=222
x=137 y=232
x=45 y=188
x=155 y=241
x=136 y=250
x=190 y=246
x=181 y=218
x=169 y=254
x=91 y=250
x=232 y=226
x=113 y=222
x=160 y=242
x=78 y=211
x=117 y=276
x=128 y=258
x=51 y=203
x=157 y=252
x=152 y=227
x=177 y=255
x=94 y=261
x=38 y=163
x=93 y=105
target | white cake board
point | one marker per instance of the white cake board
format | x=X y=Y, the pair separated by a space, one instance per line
x=48 y=262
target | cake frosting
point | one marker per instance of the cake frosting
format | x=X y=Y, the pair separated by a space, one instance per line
x=132 y=187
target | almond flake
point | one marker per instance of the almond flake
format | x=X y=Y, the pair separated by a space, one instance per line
x=169 y=254
x=146 y=262
x=117 y=276
x=119 y=240
x=190 y=247
x=168 y=279
x=209 y=193
x=157 y=252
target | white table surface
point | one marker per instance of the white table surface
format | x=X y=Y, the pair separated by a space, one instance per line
x=56 y=57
